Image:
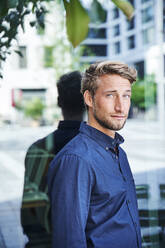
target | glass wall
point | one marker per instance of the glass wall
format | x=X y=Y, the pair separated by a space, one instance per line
x=29 y=86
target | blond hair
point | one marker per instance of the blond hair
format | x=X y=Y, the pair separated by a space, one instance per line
x=89 y=78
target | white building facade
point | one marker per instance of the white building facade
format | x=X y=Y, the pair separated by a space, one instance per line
x=139 y=42
x=27 y=77
x=128 y=41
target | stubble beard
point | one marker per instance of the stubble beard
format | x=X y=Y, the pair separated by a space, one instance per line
x=108 y=124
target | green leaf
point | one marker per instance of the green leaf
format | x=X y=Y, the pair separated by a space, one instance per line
x=6 y=5
x=3 y=8
x=144 y=92
x=12 y=3
x=125 y=7
x=77 y=21
x=97 y=13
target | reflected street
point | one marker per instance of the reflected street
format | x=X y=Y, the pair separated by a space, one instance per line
x=144 y=144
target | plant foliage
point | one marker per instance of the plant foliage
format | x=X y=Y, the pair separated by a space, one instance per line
x=12 y=15
x=75 y=13
x=34 y=109
x=144 y=93
x=13 y=12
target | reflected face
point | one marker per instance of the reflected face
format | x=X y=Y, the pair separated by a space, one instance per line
x=109 y=107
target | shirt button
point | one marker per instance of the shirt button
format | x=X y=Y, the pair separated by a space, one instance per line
x=106 y=148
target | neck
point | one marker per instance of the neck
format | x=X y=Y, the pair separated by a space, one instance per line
x=93 y=123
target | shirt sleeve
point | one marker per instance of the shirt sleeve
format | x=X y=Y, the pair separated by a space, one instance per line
x=70 y=197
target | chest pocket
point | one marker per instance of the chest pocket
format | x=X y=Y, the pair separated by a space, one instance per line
x=109 y=186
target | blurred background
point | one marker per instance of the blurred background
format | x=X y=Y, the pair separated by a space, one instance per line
x=29 y=111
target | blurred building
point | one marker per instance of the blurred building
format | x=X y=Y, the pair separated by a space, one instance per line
x=27 y=75
x=139 y=42
x=134 y=42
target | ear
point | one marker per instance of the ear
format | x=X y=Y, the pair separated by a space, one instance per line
x=88 y=99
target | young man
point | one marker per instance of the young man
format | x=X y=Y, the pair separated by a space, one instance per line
x=91 y=187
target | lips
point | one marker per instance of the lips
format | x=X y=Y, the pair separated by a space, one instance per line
x=118 y=116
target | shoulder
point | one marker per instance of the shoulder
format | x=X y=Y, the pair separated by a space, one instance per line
x=41 y=143
x=75 y=154
x=80 y=146
x=38 y=147
x=123 y=155
x=70 y=163
x=122 y=152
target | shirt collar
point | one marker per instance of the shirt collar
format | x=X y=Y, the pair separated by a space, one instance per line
x=104 y=140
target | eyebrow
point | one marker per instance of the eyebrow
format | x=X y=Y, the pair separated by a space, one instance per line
x=113 y=91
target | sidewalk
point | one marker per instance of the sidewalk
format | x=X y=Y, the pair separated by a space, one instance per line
x=145 y=147
x=144 y=144
x=14 y=142
x=11 y=177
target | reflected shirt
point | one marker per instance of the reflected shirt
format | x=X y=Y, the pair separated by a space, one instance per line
x=92 y=192
x=42 y=152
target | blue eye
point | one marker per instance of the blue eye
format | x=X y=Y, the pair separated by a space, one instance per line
x=127 y=96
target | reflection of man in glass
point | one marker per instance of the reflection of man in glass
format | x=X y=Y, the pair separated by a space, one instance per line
x=40 y=153
x=91 y=186
x=70 y=101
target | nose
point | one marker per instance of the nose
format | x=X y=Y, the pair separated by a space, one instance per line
x=119 y=105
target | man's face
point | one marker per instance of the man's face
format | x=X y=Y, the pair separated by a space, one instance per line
x=110 y=105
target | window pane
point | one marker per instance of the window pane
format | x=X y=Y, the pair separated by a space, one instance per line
x=147 y=14
x=148 y=35
x=48 y=56
x=131 y=24
x=115 y=13
x=116 y=30
x=140 y=68
x=117 y=47
x=23 y=57
x=131 y=42
x=97 y=33
x=95 y=50
x=29 y=94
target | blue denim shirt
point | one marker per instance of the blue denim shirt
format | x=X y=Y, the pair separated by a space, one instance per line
x=92 y=192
